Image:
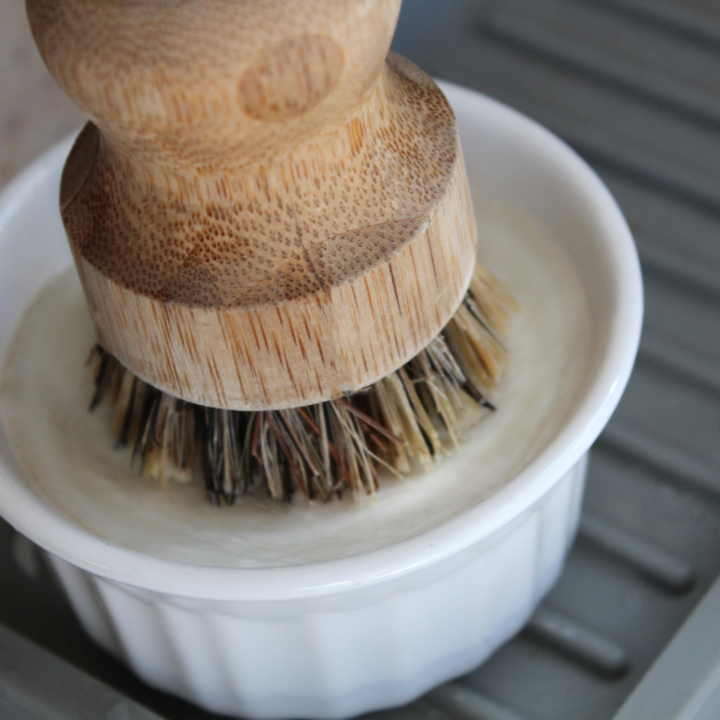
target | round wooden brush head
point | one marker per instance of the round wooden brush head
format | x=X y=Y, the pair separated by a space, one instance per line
x=267 y=210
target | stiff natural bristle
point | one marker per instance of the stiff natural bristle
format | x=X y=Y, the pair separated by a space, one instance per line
x=323 y=450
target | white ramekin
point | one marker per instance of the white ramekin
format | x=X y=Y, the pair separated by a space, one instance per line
x=334 y=639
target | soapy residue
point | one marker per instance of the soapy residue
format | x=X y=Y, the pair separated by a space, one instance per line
x=68 y=454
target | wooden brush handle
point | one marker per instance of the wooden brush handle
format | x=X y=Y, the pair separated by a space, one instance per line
x=266 y=210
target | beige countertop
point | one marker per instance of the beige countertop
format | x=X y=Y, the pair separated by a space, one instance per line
x=34 y=112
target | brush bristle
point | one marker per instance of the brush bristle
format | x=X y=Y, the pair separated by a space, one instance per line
x=324 y=450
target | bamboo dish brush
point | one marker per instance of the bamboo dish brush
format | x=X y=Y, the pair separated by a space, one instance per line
x=271 y=221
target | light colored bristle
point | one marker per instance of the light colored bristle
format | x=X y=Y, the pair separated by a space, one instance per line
x=408 y=419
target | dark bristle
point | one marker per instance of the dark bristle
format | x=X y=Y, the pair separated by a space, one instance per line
x=102 y=375
x=322 y=451
x=124 y=435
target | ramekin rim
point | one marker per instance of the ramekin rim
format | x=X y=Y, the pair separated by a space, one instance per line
x=60 y=536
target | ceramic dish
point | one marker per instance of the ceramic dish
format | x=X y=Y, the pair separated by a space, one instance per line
x=333 y=639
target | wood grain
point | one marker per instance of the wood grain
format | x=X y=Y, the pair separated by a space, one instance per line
x=267 y=209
